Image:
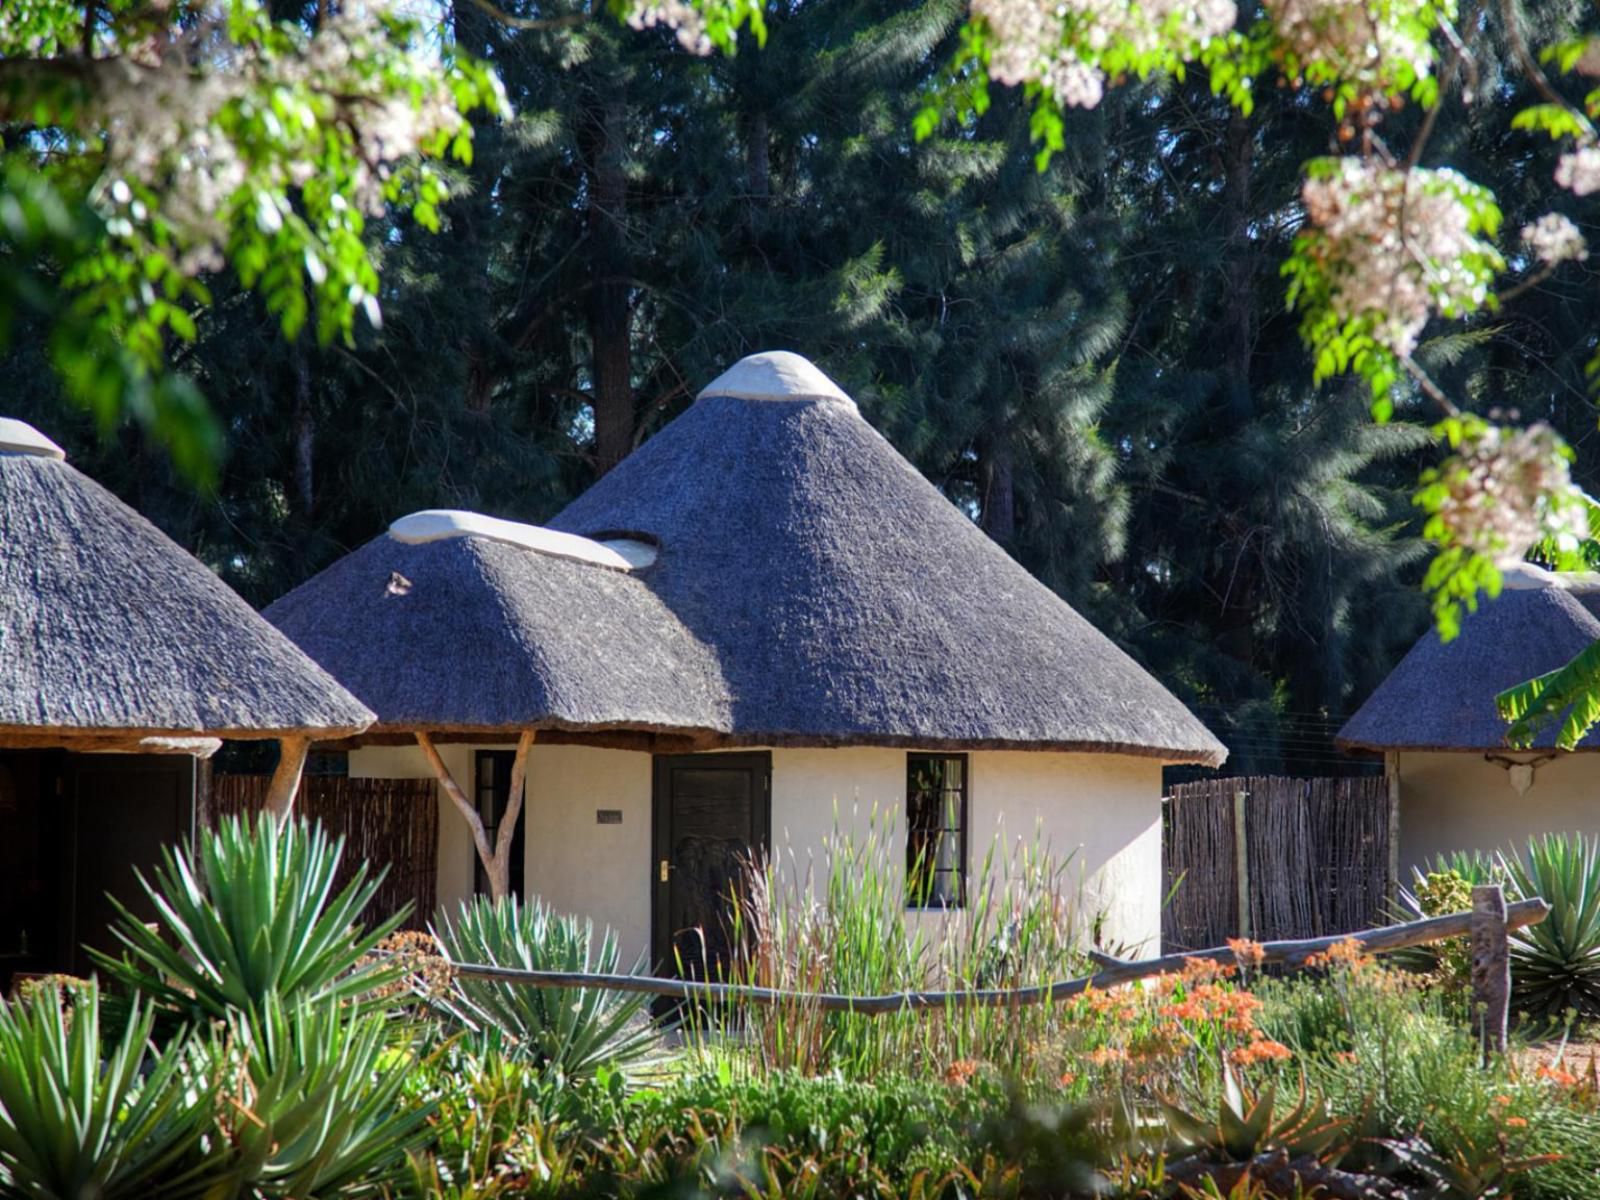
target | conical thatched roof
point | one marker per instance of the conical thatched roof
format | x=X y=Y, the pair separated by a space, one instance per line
x=847 y=601
x=110 y=633
x=1441 y=696
x=766 y=570
x=497 y=629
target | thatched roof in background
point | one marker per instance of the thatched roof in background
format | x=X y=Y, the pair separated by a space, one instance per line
x=846 y=600
x=1441 y=696
x=109 y=630
x=474 y=634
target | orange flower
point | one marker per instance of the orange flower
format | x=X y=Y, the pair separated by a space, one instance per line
x=959 y=1073
x=1067 y=1079
x=1559 y=1076
x=1517 y=1122
x=1107 y=1054
x=1264 y=1050
x=1502 y=1100
x=1246 y=952
x=1346 y=1056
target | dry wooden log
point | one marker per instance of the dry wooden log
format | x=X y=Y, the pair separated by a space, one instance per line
x=1491 y=967
x=1291 y=953
x=286 y=777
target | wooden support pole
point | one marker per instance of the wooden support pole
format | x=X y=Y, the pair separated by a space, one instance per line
x=1241 y=861
x=500 y=872
x=480 y=839
x=285 y=783
x=1491 y=967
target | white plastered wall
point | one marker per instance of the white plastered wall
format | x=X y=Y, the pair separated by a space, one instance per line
x=1458 y=801
x=1099 y=814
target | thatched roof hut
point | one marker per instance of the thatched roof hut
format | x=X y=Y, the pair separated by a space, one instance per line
x=457 y=624
x=804 y=586
x=116 y=638
x=1442 y=695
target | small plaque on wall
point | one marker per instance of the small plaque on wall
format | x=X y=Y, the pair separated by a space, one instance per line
x=608 y=816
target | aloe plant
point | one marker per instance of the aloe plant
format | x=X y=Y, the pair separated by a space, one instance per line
x=77 y=1120
x=1555 y=965
x=321 y=1109
x=1246 y=1126
x=251 y=916
x=573 y=1031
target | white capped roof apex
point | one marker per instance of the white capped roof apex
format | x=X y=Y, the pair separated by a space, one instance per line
x=438 y=524
x=1526 y=576
x=18 y=437
x=775 y=375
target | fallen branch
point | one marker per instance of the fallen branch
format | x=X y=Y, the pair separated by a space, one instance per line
x=1290 y=953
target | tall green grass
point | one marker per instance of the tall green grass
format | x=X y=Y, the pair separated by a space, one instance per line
x=843 y=926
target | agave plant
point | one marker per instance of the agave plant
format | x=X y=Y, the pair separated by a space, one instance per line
x=77 y=1120
x=1555 y=965
x=573 y=1031
x=317 y=1099
x=253 y=916
x=1246 y=1126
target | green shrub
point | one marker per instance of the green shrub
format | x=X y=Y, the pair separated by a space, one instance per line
x=254 y=916
x=571 y=1031
x=1555 y=965
x=78 y=1121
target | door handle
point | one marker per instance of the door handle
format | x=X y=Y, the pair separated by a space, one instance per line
x=666 y=870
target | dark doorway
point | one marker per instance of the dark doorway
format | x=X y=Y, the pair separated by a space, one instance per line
x=125 y=809
x=712 y=811
x=72 y=828
x=492 y=794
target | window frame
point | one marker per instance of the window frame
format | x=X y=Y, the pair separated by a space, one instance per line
x=965 y=818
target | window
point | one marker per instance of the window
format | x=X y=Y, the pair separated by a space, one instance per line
x=936 y=830
x=492 y=782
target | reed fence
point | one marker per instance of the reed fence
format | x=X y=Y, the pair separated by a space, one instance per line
x=1273 y=857
x=391 y=823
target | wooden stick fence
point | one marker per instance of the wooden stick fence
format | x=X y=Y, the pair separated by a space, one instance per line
x=1489 y=921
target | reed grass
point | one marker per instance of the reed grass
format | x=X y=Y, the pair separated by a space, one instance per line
x=842 y=925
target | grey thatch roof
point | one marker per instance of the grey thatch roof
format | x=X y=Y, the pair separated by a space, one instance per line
x=808 y=587
x=1441 y=696
x=472 y=634
x=108 y=628
x=847 y=601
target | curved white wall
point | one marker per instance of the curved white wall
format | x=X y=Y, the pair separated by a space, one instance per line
x=1461 y=802
x=1100 y=814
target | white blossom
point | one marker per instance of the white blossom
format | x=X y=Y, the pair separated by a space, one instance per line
x=683 y=19
x=1055 y=43
x=1360 y=40
x=1506 y=489
x=1393 y=242
x=1579 y=170
x=1554 y=239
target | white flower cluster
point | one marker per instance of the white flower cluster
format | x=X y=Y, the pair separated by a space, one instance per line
x=257 y=122
x=1058 y=43
x=1554 y=239
x=683 y=19
x=1392 y=247
x=1579 y=170
x=1361 y=41
x=1509 y=488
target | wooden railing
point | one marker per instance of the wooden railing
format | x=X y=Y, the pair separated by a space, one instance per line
x=1488 y=924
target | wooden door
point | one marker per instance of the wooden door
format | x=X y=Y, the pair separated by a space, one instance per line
x=712 y=813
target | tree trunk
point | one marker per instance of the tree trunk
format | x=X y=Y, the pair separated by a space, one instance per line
x=305 y=432
x=496 y=859
x=757 y=169
x=286 y=777
x=998 y=512
x=1239 y=302
x=610 y=315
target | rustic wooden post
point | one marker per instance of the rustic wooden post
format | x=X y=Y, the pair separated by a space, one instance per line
x=286 y=777
x=500 y=869
x=1491 y=967
x=1391 y=774
x=480 y=837
x=1241 y=861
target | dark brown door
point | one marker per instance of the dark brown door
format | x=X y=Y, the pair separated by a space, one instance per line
x=125 y=808
x=712 y=813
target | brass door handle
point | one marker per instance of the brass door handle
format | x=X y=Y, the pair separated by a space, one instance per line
x=666 y=870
